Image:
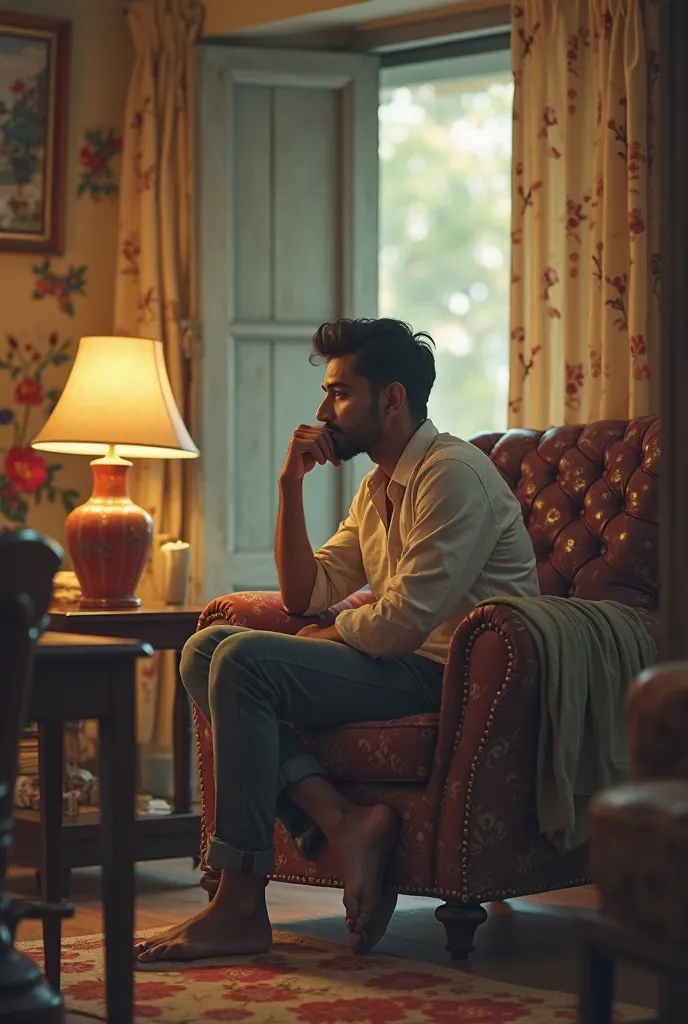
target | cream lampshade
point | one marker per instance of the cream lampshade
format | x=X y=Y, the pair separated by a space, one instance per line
x=118 y=404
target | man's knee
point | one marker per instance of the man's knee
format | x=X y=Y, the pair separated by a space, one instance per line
x=197 y=653
x=238 y=662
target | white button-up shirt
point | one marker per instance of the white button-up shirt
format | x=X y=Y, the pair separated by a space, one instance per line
x=456 y=537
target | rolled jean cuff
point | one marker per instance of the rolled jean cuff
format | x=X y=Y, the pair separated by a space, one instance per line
x=298 y=768
x=222 y=855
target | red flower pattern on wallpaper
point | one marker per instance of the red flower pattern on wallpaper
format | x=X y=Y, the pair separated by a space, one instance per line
x=28 y=392
x=25 y=470
x=26 y=476
x=61 y=287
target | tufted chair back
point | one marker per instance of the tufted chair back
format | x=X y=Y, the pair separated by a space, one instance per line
x=590 y=500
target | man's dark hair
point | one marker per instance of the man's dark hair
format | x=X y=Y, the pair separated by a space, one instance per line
x=386 y=351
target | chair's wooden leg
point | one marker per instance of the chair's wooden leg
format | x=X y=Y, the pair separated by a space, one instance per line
x=51 y=766
x=595 y=985
x=461 y=921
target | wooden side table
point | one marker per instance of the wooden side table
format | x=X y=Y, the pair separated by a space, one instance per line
x=157 y=837
x=91 y=677
x=602 y=942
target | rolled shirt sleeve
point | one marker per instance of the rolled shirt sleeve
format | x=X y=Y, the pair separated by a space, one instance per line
x=340 y=569
x=453 y=534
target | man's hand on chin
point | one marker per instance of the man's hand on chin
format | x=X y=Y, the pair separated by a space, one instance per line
x=321 y=633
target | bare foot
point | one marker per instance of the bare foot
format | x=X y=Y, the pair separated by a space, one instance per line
x=364 y=941
x=363 y=844
x=216 y=930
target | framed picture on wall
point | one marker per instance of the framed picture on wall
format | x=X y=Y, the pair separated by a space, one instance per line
x=34 y=99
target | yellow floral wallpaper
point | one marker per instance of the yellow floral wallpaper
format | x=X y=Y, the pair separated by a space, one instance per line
x=49 y=302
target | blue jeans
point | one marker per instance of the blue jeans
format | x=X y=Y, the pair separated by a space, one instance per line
x=249 y=684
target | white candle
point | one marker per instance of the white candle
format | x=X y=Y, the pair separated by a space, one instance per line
x=176 y=567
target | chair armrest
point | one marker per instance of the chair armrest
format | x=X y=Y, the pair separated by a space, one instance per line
x=489 y=842
x=492 y=674
x=486 y=752
x=658 y=723
x=265 y=610
x=491 y=655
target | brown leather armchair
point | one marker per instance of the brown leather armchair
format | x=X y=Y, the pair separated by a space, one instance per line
x=463 y=781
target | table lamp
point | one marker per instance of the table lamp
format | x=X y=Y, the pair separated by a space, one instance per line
x=118 y=404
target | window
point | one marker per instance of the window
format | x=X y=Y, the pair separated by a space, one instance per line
x=445 y=205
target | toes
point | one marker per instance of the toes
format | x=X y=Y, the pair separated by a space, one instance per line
x=152 y=954
x=352 y=905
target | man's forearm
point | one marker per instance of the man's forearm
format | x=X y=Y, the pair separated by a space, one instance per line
x=296 y=565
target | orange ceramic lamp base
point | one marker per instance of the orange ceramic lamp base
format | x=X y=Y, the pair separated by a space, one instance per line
x=109 y=539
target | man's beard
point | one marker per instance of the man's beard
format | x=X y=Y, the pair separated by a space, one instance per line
x=347 y=444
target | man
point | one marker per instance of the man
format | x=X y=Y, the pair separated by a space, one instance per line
x=433 y=531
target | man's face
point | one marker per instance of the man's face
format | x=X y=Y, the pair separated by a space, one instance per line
x=349 y=410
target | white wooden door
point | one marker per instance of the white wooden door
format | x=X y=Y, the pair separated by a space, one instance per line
x=288 y=239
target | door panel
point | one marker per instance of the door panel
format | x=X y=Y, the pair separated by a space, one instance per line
x=288 y=240
x=252 y=203
x=307 y=127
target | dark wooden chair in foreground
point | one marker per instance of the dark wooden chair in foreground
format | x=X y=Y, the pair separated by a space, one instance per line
x=28 y=563
x=639 y=851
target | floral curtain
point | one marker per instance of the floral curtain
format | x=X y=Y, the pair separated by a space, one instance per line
x=585 y=211
x=155 y=288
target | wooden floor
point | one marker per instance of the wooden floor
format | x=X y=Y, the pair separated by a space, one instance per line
x=525 y=941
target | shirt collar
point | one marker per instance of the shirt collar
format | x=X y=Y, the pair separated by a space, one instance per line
x=414 y=453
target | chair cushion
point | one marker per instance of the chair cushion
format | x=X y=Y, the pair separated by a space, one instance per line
x=398 y=751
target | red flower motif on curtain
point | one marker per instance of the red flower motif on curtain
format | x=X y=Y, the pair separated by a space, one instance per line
x=549 y=119
x=572 y=51
x=596 y=364
x=130 y=250
x=597 y=263
x=527 y=197
x=147 y=303
x=607 y=25
x=636 y=222
x=638 y=348
x=575 y=378
x=550 y=278
x=617 y=302
x=575 y=215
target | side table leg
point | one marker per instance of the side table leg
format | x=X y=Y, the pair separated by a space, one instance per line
x=182 y=738
x=595 y=985
x=118 y=797
x=51 y=768
x=673 y=1000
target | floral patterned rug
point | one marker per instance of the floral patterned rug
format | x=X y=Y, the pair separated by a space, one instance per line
x=309 y=981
